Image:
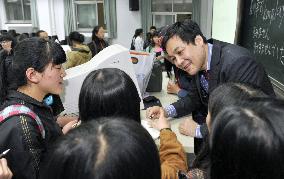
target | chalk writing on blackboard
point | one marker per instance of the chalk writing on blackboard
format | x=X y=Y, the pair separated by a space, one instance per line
x=259 y=10
x=273 y=50
x=261 y=33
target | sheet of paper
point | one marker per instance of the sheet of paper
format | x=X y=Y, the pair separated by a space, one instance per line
x=153 y=132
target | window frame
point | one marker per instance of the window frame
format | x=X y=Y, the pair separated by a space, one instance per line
x=16 y=21
x=173 y=13
x=78 y=2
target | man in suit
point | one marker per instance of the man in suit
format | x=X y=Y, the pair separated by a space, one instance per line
x=211 y=63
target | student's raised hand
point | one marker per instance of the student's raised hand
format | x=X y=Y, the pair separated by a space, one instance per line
x=161 y=122
x=5 y=172
x=188 y=127
x=155 y=112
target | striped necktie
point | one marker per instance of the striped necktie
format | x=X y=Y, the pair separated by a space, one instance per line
x=204 y=77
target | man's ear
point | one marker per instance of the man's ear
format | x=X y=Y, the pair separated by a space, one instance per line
x=198 y=40
x=32 y=75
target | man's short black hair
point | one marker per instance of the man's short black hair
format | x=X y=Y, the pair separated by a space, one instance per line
x=186 y=30
x=162 y=31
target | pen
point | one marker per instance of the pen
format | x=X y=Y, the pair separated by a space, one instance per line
x=3 y=154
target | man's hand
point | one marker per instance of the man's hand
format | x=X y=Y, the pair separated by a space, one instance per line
x=188 y=127
x=155 y=112
x=173 y=88
x=160 y=123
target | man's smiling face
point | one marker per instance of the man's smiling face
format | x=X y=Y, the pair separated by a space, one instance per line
x=190 y=57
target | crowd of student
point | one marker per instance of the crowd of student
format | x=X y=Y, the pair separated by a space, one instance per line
x=236 y=116
x=80 y=52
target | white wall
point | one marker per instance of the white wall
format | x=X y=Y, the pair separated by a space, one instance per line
x=206 y=18
x=44 y=16
x=2 y=14
x=51 y=17
x=59 y=19
x=224 y=20
x=127 y=22
x=18 y=27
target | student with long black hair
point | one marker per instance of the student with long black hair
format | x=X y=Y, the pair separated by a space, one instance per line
x=109 y=92
x=247 y=141
x=98 y=43
x=137 y=40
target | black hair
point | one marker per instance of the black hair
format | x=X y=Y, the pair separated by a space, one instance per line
x=153 y=27
x=110 y=148
x=10 y=38
x=13 y=33
x=76 y=36
x=22 y=36
x=137 y=33
x=154 y=34
x=95 y=31
x=109 y=92
x=34 y=53
x=38 y=32
x=224 y=95
x=231 y=94
x=248 y=141
x=186 y=31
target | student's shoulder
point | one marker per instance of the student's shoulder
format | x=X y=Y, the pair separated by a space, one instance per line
x=16 y=125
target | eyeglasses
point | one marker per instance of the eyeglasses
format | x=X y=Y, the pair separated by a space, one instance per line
x=5 y=41
x=182 y=175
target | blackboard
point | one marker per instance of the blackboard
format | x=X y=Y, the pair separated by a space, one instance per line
x=262 y=32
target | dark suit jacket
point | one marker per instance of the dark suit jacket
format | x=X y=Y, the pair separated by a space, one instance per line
x=229 y=63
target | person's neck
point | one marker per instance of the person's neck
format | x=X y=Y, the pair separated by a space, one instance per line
x=204 y=66
x=76 y=45
x=157 y=46
x=32 y=92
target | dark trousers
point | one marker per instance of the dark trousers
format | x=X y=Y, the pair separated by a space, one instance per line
x=197 y=145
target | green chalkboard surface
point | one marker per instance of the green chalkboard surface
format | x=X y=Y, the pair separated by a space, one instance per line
x=262 y=32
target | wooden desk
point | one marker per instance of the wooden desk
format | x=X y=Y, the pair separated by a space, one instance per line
x=167 y=99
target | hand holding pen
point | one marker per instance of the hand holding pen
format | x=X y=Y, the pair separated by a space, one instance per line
x=3 y=154
x=5 y=172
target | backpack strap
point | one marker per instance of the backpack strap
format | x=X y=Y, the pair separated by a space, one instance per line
x=20 y=109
